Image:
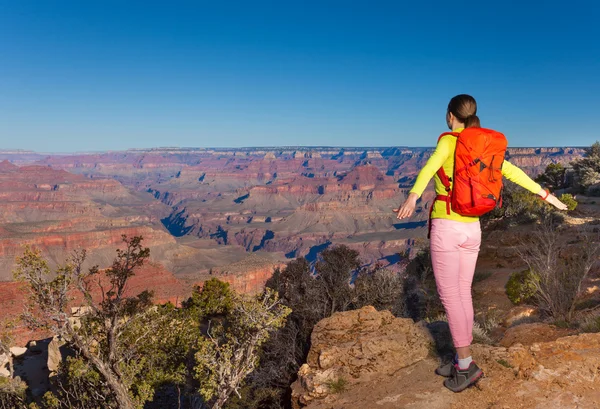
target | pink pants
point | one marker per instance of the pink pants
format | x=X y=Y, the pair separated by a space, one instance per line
x=454 y=251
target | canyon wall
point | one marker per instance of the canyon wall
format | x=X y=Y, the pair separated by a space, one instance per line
x=290 y=200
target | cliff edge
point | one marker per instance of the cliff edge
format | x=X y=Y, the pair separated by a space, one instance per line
x=369 y=359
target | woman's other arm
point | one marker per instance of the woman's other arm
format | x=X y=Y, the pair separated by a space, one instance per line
x=516 y=175
x=442 y=151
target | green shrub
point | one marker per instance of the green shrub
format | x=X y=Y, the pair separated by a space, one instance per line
x=338 y=386
x=522 y=286
x=519 y=206
x=569 y=200
x=504 y=363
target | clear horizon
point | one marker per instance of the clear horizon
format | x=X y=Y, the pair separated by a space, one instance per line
x=303 y=147
x=116 y=75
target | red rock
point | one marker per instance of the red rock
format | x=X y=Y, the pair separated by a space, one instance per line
x=528 y=334
x=247 y=276
x=153 y=277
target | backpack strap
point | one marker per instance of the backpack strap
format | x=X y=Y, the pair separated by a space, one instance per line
x=456 y=134
x=444 y=178
x=446 y=182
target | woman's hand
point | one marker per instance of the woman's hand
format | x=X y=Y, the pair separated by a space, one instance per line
x=408 y=207
x=553 y=200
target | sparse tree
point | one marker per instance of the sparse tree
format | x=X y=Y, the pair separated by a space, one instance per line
x=287 y=348
x=214 y=298
x=300 y=291
x=119 y=336
x=310 y=292
x=230 y=352
x=334 y=271
x=553 y=177
x=587 y=169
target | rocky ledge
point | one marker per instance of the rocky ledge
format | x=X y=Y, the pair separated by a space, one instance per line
x=370 y=359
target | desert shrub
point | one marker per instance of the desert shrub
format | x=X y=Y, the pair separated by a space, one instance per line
x=333 y=271
x=13 y=393
x=593 y=190
x=480 y=334
x=78 y=386
x=522 y=286
x=381 y=288
x=553 y=177
x=590 y=324
x=229 y=353
x=338 y=385
x=126 y=350
x=312 y=292
x=569 y=200
x=519 y=206
x=421 y=299
x=126 y=346
x=562 y=267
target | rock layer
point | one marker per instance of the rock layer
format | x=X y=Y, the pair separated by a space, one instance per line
x=289 y=199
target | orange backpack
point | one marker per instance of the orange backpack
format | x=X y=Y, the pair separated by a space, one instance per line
x=477 y=178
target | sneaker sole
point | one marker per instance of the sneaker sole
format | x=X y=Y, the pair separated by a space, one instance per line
x=470 y=383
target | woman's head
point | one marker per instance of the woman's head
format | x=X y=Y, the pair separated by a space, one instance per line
x=462 y=110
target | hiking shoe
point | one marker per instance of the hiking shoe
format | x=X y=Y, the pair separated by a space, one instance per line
x=461 y=379
x=445 y=369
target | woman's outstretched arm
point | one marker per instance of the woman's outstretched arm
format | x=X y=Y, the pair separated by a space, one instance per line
x=516 y=175
x=442 y=151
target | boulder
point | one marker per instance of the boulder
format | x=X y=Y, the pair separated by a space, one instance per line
x=18 y=351
x=527 y=334
x=36 y=347
x=349 y=346
x=5 y=364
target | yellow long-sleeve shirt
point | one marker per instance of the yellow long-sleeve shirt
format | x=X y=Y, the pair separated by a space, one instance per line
x=444 y=156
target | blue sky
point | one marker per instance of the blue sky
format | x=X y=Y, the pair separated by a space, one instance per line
x=99 y=75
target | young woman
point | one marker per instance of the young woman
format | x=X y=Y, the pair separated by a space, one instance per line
x=455 y=241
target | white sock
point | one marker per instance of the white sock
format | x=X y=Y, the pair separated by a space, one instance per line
x=464 y=363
